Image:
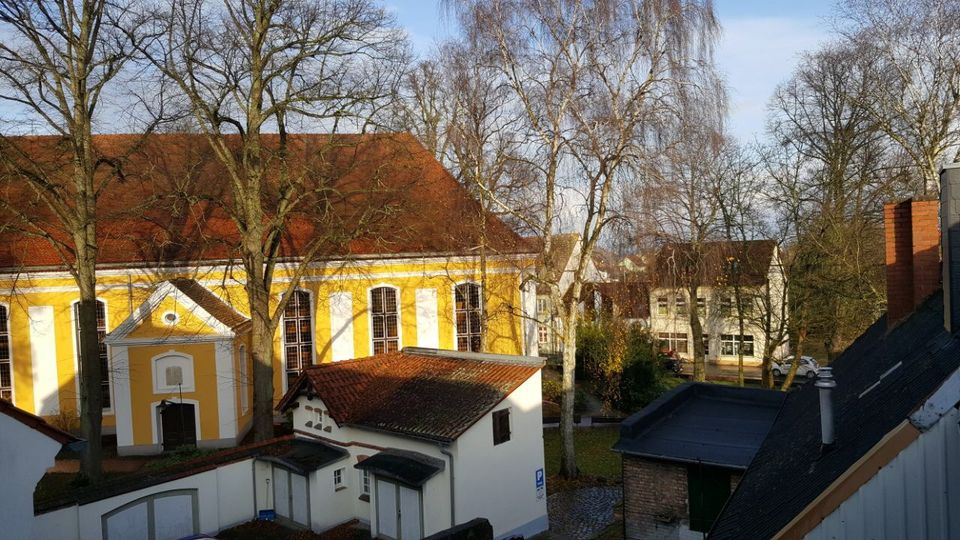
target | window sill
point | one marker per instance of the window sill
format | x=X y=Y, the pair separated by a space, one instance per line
x=364 y=498
x=341 y=488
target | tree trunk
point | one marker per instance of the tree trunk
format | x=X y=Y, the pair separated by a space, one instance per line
x=261 y=335
x=696 y=329
x=568 y=462
x=91 y=399
x=797 y=355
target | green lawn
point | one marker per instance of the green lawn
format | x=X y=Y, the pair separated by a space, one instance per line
x=592 y=446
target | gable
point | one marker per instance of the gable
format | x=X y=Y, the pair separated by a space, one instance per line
x=187 y=321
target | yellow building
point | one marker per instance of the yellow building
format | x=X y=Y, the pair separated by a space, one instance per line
x=173 y=307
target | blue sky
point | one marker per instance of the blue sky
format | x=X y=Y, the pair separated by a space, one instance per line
x=759 y=47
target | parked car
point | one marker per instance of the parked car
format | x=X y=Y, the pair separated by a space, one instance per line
x=808 y=367
x=670 y=361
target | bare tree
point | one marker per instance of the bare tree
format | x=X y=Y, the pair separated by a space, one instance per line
x=593 y=81
x=832 y=186
x=912 y=56
x=247 y=67
x=58 y=61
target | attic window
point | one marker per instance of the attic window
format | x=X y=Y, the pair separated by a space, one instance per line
x=170 y=318
x=501 y=426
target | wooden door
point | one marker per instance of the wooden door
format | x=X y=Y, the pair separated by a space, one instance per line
x=178 y=426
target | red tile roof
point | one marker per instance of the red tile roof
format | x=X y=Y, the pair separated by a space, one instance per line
x=172 y=199
x=211 y=303
x=35 y=422
x=713 y=267
x=430 y=397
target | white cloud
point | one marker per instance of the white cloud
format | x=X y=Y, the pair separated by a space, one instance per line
x=755 y=55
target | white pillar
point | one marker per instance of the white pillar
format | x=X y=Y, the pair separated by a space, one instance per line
x=43 y=352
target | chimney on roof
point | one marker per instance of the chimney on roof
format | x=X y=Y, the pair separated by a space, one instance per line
x=950 y=227
x=912 y=255
x=826 y=384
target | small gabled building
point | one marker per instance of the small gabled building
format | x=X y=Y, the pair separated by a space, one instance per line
x=435 y=439
x=684 y=453
x=874 y=450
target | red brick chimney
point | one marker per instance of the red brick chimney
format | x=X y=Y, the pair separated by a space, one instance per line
x=912 y=229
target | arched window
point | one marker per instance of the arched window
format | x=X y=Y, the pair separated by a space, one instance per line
x=468 y=314
x=385 y=318
x=104 y=360
x=298 y=334
x=6 y=364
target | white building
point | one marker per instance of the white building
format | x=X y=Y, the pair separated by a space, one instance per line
x=410 y=442
x=434 y=439
x=28 y=445
x=754 y=266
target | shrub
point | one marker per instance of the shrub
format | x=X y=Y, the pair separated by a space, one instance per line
x=553 y=391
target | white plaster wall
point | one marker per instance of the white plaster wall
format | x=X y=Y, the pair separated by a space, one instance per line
x=235 y=493
x=329 y=507
x=25 y=455
x=60 y=524
x=498 y=482
x=224 y=497
x=713 y=323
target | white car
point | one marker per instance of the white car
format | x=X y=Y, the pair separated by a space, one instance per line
x=808 y=367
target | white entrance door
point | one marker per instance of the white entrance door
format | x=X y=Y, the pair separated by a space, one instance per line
x=399 y=512
x=387 y=509
x=281 y=492
x=410 y=526
x=290 y=498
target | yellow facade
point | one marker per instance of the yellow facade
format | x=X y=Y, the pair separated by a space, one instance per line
x=124 y=291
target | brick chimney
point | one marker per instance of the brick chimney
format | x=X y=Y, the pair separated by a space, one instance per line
x=913 y=254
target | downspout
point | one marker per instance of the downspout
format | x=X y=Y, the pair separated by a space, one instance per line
x=453 y=500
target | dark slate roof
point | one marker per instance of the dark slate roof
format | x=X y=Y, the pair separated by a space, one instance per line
x=415 y=393
x=36 y=423
x=211 y=303
x=291 y=452
x=789 y=471
x=304 y=456
x=702 y=423
x=407 y=467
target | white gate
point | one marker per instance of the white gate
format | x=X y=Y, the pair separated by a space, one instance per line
x=167 y=515
x=399 y=511
x=291 y=498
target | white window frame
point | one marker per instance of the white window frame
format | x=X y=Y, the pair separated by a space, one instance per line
x=75 y=329
x=453 y=304
x=680 y=304
x=160 y=386
x=365 y=482
x=663 y=306
x=736 y=342
x=313 y=336
x=13 y=384
x=244 y=374
x=673 y=339
x=370 y=338
x=339 y=478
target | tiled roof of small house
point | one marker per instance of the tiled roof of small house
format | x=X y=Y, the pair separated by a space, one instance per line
x=34 y=422
x=211 y=303
x=382 y=194
x=412 y=393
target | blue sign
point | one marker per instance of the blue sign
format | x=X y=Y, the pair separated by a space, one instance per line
x=539 y=478
x=267 y=515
